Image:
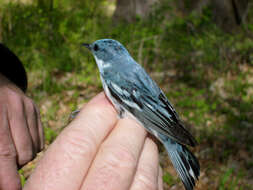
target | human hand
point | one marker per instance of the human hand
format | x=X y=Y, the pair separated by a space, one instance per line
x=99 y=151
x=21 y=133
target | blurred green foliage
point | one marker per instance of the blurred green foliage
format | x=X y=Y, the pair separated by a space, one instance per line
x=22 y=178
x=228 y=182
x=50 y=39
x=50 y=135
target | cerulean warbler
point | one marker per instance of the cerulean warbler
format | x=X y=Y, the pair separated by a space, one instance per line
x=134 y=93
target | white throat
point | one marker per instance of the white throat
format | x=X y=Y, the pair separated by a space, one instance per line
x=101 y=64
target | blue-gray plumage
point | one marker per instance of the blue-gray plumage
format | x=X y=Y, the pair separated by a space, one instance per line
x=134 y=93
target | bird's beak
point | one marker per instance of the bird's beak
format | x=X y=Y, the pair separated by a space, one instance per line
x=87 y=45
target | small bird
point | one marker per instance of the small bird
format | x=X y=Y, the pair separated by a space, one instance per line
x=133 y=93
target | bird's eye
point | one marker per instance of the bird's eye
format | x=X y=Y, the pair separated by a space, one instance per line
x=96 y=47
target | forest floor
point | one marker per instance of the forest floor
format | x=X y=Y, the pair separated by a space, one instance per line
x=219 y=117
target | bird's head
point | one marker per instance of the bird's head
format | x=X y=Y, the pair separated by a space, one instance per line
x=107 y=51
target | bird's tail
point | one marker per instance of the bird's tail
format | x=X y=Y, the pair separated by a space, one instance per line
x=185 y=163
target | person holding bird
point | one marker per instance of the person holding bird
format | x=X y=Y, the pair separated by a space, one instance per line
x=134 y=94
x=106 y=146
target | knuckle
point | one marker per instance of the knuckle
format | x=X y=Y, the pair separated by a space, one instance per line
x=16 y=103
x=7 y=152
x=13 y=96
x=30 y=106
x=119 y=157
x=146 y=180
x=102 y=110
x=100 y=114
x=117 y=160
x=79 y=144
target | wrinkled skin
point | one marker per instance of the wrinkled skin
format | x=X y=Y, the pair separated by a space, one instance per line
x=21 y=133
x=97 y=150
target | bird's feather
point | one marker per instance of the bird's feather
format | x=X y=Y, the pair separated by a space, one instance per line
x=185 y=163
x=147 y=103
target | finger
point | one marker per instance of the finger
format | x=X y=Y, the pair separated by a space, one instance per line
x=40 y=129
x=160 y=179
x=67 y=160
x=20 y=132
x=31 y=117
x=115 y=164
x=9 y=178
x=148 y=168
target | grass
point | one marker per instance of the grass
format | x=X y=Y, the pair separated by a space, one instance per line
x=205 y=73
x=229 y=182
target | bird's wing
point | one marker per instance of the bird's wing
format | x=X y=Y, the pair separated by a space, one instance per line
x=149 y=106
